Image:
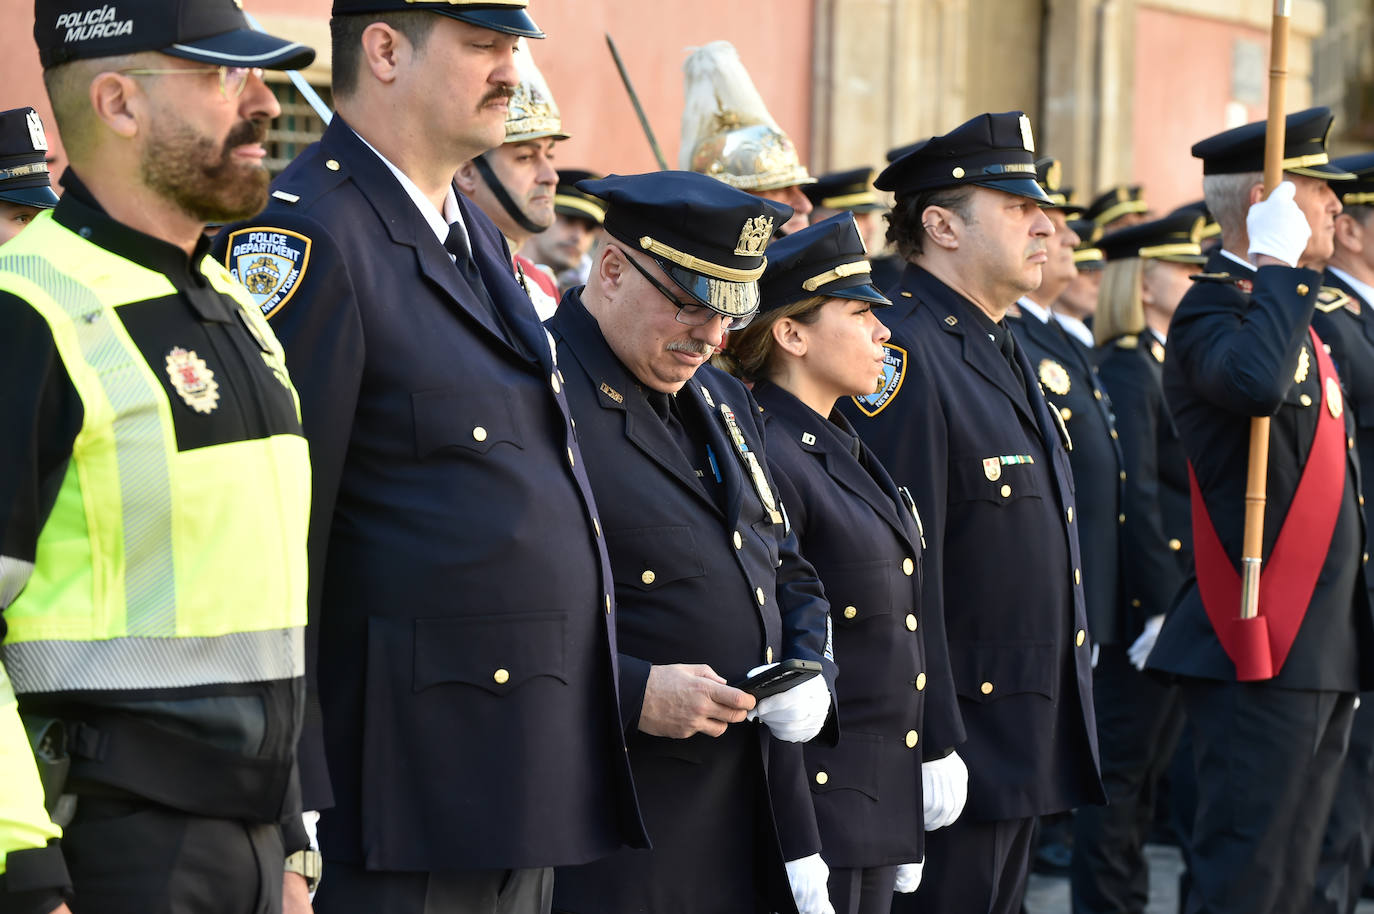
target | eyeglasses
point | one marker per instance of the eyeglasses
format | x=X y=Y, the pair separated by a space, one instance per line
x=691 y=313
x=232 y=80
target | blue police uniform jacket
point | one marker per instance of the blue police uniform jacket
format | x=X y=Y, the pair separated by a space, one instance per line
x=864 y=540
x=1157 y=536
x=464 y=640
x=1231 y=355
x=985 y=460
x=1346 y=325
x=1068 y=377
x=702 y=574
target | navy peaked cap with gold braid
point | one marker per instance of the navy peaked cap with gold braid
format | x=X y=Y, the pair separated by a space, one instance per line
x=991 y=150
x=708 y=236
x=509 y=16
x=826 y=259
x=1359 y=192
x=1241 y=149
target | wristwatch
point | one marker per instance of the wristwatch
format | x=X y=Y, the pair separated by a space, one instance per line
x=308 y=864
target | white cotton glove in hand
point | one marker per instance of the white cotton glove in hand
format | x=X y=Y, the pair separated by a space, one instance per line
x=944 y=788
x=808 y=877
x=1139 y=651
x=908 y=877
x=796 y=715
x=1277 y=226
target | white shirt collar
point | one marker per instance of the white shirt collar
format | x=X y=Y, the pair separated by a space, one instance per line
x=1076 y=328
x=1029 y=307
x=438 y=222
x=1364 y=290
x=1250 y=267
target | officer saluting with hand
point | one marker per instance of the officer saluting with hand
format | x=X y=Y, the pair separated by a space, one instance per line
x=961 y=421
x=708 y=579
x=1270 y=698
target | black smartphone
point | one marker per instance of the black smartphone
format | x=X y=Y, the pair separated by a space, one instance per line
x=779 y=678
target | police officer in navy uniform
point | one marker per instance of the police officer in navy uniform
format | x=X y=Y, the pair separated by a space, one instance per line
x=961 y=421
x=819 y=338
x=1138 y=718
x=1345 y=323
x=708 y=579
x=462 y=605
x=1270 y=698
x=25 y=189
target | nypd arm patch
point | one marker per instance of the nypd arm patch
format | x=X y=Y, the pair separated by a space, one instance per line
x=894 y=373
x=270 y=262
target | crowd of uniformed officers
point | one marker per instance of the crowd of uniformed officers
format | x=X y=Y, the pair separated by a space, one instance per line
x=440 y=532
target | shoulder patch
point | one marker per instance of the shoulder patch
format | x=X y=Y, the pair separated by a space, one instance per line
x=894 y=373
x=270 y=262
x=1330 y=299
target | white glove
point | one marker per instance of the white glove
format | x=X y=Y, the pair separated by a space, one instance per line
x=796 y=715
x=1277 y=226
x=908 y=877
x=808 y=877
x=944 y=788
x=1139 y=651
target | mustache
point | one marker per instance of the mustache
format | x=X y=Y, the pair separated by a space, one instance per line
x=694 y=347
x=500 y=92
x=246 y=132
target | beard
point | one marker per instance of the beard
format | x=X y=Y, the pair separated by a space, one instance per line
x=200 y=176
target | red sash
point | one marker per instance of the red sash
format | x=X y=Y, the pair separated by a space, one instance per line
x=1259 y=646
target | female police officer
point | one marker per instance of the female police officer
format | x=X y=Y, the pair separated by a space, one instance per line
x=817 y=339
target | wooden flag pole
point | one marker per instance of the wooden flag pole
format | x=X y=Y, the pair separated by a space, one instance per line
x=1258 y=471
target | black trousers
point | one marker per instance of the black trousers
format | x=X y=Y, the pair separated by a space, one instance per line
x=1267 y=761
x=1138 y=724
x=1348 y=845
x=862 y=891
x=973 y=868
x=348 y=889
x=135 y=857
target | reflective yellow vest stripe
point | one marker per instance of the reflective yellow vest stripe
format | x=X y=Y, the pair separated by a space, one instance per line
x=157 y=568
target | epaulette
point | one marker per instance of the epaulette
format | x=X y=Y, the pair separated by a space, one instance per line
x=1332 y=299
x=1129 y=341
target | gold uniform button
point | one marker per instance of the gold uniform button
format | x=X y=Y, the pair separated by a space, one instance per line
x=822 y=777
x=920 y=682
x=1305 y=400
x=957 y=172
x=758 y=593
x=911 y=622
x=597 y=524
x=1349 y=443
x=1097 y=394
x=647 y=577
x=986 y=688
x=553 y=381
x=1361 y=501
x=479 y=434
x=1302 y=288
x=908 y=567
x=1069 y=512
x=501 y=676
x=1065 y=413
x=1175 y=545
x=1080 y=637
x=1006 y=491
x=1114 y=435
x=1135 y=603
x=1123 y=475
x=739 y=540
x=1077 y=576
x=911 y=739
x=768 y=655
x=850 y=612
x=1121 y=518
x=332 y=164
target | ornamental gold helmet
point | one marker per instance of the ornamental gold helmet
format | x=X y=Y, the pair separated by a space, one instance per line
x=532 y=114
x=727 y=132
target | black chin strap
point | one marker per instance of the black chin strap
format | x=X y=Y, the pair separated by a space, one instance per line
x=503 y=197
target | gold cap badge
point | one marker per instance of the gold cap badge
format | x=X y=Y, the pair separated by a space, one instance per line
x=753 y=238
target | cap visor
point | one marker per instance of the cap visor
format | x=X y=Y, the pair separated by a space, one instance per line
x=1022 y=187
x=733 y=299
x=1325 y=173
x=1184 y=258
x=862 y=292
x=41 y=197
x=510 y=21
x=245 y=48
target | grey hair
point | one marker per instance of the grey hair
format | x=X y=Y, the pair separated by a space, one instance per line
x=1228 y=199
